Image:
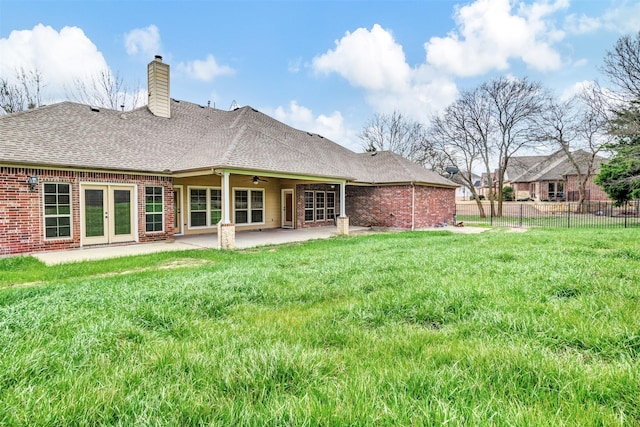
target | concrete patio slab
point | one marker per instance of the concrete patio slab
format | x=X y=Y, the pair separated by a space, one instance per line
x=244 y=240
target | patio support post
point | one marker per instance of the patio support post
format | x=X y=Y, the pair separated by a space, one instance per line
x=226 y=228
x=226 y=213
x=343 y=219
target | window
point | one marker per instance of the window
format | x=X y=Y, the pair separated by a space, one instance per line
x=57 y=210
x=319 y=205
x=257 y=206
x=205 y=206
x=216 y=205
x=154 y=208
x=556 y=190
x=198 y=207
x=248 y=206
x=308 y=206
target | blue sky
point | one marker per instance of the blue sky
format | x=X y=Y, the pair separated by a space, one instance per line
x=322 y=66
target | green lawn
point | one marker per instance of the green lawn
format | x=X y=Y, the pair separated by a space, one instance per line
x=431 y=328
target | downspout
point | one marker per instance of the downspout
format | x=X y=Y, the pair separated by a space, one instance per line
x=413 y=206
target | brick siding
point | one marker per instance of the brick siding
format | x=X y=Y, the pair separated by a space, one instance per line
x=22 y=214
x=593 y=191
x=391 y=206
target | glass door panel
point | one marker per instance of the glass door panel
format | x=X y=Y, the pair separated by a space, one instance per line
x=122 y=212
x=95 y=216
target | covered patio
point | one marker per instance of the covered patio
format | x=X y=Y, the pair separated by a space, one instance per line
x=244 y=239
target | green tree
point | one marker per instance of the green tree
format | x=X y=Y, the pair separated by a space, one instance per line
x=620 y=177
x=508 y=194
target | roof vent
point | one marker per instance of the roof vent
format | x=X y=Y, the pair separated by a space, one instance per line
x=95 y=109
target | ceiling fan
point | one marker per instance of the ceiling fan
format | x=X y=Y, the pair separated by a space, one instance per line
x=256 y=180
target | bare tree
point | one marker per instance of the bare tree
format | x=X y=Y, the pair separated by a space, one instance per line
x=106 y=90
x=515 y=107
x=393 y=132
x=401 y=135
x=622 y=65
x=25 y=94
x=579 y=127
x=460 y=134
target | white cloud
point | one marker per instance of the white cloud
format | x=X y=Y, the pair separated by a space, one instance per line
x=374 y=61
x=62 y=58
x=330 y=126
x=490 y=34
x=143 y=42
x=625 y=18
x=581 y=24
x=206 y=70
x=367 y=59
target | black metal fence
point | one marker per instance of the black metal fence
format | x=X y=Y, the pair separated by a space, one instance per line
x=552 y=214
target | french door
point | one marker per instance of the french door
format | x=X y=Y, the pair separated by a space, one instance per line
x=108 y=214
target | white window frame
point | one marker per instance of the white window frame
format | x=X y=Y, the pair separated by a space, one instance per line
x=320 y=205
x=325 y=209
x=153 y=213
x=311 y=208
x=45 y=216
x=249 y=208
x=208 y=208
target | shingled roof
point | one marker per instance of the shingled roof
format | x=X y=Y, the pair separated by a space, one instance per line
x=71 y=135
x=555 y=166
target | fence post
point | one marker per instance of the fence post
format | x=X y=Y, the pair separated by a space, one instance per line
x=520 y=215
x=568 y=215
x=626 y=209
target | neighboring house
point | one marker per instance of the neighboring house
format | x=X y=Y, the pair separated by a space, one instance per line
x=554 y=177
x=463 y=192
x=73 y=176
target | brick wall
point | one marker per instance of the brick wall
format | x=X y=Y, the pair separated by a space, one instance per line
x=300 y=189
x=391 y=206
x=594 y=192
x=22 y=215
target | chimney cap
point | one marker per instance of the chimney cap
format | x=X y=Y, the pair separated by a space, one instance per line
x=158 y=57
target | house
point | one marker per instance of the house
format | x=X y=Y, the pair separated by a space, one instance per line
x=72 y=176
x=554 y=177
x=463 y=192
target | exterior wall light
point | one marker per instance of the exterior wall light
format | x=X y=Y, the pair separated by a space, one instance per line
x=33 y=182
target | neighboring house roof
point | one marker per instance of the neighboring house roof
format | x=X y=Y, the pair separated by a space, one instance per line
x=520 y=165
x=557 y=166
x=72 y=135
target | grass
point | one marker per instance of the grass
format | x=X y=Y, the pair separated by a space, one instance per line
x=536 y=328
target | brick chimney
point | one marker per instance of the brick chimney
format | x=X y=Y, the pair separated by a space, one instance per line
x=158 y=78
